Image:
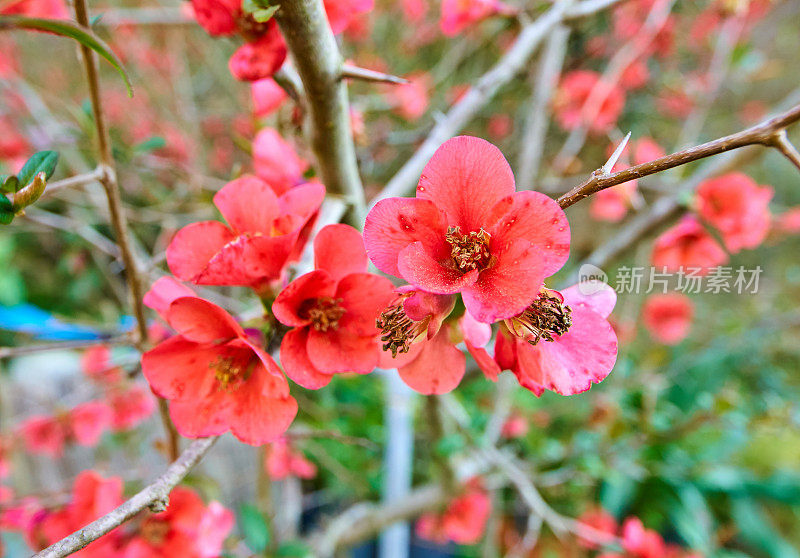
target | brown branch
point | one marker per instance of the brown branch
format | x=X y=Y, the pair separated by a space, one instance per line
x=155 y=497
x=354 y=72
x=512 y=62
x=781 y=142
x=11 y=352
x=75 y=181
x=766 y=133
x=316 y=56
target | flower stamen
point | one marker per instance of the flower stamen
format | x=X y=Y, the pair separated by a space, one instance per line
x=470 y=251
x=324 y=313
x=398 y=331
x=545 y=317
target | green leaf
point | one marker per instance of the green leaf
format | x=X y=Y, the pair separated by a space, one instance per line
x=294 y=549
x=151 y=144
x=43 y=161
x=70 y=29
x=10 y=183
x=6 y=210
x=265 y=14
x=254 y=528
x=755 y=528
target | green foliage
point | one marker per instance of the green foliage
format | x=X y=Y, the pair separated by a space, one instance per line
x=254 y=528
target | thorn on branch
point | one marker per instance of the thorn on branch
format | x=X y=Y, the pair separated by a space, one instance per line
x=354 y=72
x=609 y=166
x=159 y=505
x=780 y=141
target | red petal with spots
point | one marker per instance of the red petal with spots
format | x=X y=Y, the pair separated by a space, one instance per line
x=201 y=418
x=256 y=418
x=395 y=223
x=302 y=200
x=180 y=369
x=201 y=321
x=248 y=204
x=364 y=296
x=194 y=245
x=339 y=250
x=465 y=178
x=287 y=306
x=438 y=368
x=340 y=350
x=294 y=358
x=534 y=217
x=507 y=288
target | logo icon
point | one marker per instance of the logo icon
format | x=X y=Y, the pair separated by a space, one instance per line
x=591 y=279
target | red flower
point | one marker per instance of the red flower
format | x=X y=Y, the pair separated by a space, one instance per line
x=187 y=528
x=282 y=461
x=51 y=9
x=84 y=424
x=646 y=149
x=640 y=542
x=410 y=100
x=264 y=230
x=602 y=523
x=737 y=207
x=129 y=407
x=464 y=519
x=333 y=311
x=216 y=378
x=267 y=95
x=575 y=90
x=276 y=161
x=217 y=17
x=92 y=497
x=342 y=12
x=261 y=58
x=612 y=204
x=562 y=342
x=458 y=15
x=88 y=421
x=43 y=434
x=515 y=426
x=668 y=317
x=468 y=231
x=96 y=363
x=687 y=245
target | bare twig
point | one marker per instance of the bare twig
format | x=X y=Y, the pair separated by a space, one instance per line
x=75 y=181
x=11 y=352
x=781 y=142
x=317 y=59
x=767 y=133
x=484 y=90
x=532 y=144
x=354 y=72
x=155 y=497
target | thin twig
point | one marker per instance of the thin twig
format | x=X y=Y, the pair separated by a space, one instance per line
x=11 y=352
x=485 y=89
x=155 y=497
x=781 y=142
x=75 y=181
x=355 y=72
x=766 y=133
x=319 y=63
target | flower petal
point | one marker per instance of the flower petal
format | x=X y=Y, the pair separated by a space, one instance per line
x=339 y=250
x=193 y=246
x=163 y=292
x=256 y=419
x=202 y=321
x=476 y=333
x=508 y=287
x=534 y=217
x=314 y=284
x=396 y=223
x=248 y=205
x=180 y=369
x=302 y=200
x=465 y=178
x=248 y=261
x=438 y=368
x=294 y=358
x=421 y=270
x=364 y=296
x=484 y=360
x=597 y=295
x=201 y=418
x=340 y=350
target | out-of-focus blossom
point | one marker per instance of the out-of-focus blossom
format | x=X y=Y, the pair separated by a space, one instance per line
x=410 y=100
x=736 y=206
x=282 y=461
x=217 y=17
x=603 y=523
x=464 y=519
x=788 y=222
x=562 y=342
x=276 y=161
x=640 y=542
x=687 y=245
x=458 y=15
x=674 y=103
x=50 y=9
x=515 y=426
x=341 y=13
x=129 y=407
x=612 y=204
x=636 y=75
x=261 y=58
x=500 y=126
x=668 y=317
x=572 y=95
x=414 y=10
x=646 y=149
x=267 y=95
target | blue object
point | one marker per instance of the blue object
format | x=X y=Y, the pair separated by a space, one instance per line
x=29 y=319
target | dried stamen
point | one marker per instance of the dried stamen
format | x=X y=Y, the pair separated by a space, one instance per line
x=545 y=317
x=470 y=251
x=398 y=331
x=324 y=313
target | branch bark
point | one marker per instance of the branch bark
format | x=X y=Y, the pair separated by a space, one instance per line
x=316 y=56
x=767 y=133
x=485 y=89
x=155 y=497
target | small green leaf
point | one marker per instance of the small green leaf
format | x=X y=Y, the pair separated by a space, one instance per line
x=70 y=29
x=6 y=210
x=254 y=528
x=151 y=144
x=265 y=14
x=294 y=549
x=43 y=161
x=10 y=183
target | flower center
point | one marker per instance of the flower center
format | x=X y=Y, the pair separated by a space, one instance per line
x=545 y=317
x=154 y=531
x=469 y=251
x=229 y=372
x=398 y=331
x=323 y=312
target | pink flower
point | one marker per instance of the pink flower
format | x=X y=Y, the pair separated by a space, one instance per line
x=737 y=207
x=261 y=58
x=668 y=317
x=217 y=17
x=267 y=95
x=635 y=76
x=282 y=461
x=602 y=522
x=276 y=161
x=216 y=378
x=50 y=9
x=562 y=342
x=332 y=311
x=129 y=407
x=788 y=222
x=411 y=99
x=516 y=426
x=43 y=434
x=575 y=90
x=687 y=245
x=640 y=542
x=88 y=421
x=341 y=13
x=464 y=519
x=468 y=231
x=186 y=528
x=96 y=363
x=458 y=15
x=414 y=10
x=612 y=204
x=646 y=149
x=262 y=237
x=500 y=126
